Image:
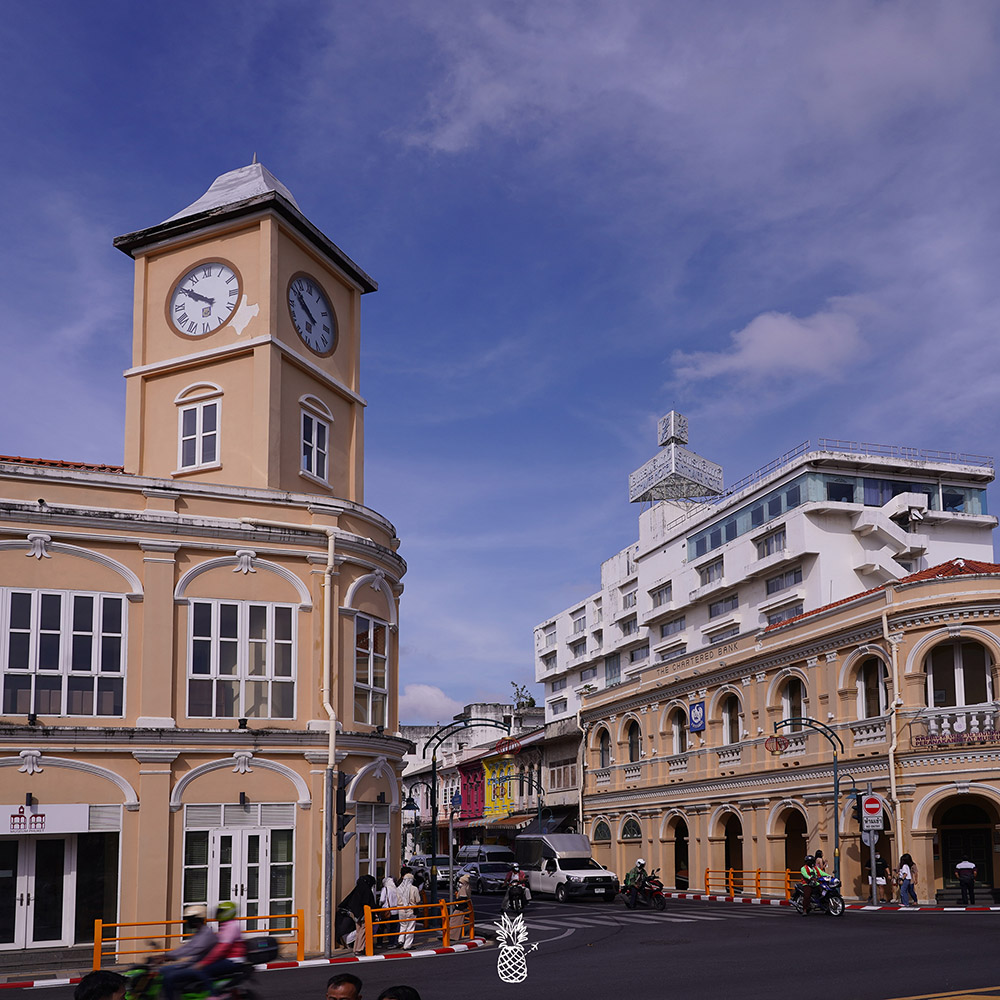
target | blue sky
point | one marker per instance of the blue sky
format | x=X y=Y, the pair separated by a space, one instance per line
x=782 y=219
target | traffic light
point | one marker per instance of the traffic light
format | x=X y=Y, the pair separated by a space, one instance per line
x=857 y=808
x=344 y=818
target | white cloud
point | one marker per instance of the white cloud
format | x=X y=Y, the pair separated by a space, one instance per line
x=776 y=346
x=425 y=703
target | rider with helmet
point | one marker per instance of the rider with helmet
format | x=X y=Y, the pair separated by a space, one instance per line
x=634 y=881
x=809 y=873
x=516 y=881
x=182 y=959
x=229 y=951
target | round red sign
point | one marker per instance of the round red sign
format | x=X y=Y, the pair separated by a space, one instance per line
x=508 y=745
x=871 y=805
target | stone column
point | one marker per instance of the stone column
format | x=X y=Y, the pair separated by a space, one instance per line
x=150 y=877
x=160 y=681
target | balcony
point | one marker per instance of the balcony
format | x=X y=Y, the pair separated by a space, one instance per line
x=632 y=772
x=730 y=756
x=868 y=731
x=602 y=776
x=960 y=723
x=678 y=763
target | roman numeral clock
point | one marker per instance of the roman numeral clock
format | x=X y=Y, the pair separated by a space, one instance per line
x=314 y=320
x=204 y=299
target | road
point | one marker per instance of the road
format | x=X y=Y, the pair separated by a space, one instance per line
x=694 y=951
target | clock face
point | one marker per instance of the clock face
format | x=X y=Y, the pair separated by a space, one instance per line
x=204 y=299
x=312 y=314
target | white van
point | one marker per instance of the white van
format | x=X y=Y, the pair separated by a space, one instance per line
x=560 y=864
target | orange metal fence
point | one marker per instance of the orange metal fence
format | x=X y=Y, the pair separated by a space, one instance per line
x=287 y=927
x=752 y=882
x=452 y=921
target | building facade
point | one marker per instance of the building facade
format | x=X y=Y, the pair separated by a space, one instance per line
x=903 y=677
x=815 y=526
x=194 y=645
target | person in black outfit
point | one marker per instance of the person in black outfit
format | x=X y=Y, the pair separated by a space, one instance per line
x=352 y=906
x=965 y=872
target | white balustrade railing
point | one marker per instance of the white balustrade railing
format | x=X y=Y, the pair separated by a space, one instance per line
x=960 y=720
x=632 y=771
x=602 y=776
x=678 y=763
x=730 y=755
x=869 y=731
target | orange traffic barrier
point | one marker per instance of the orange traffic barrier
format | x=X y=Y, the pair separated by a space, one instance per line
x=288 y=927
x=751 y=882
x=454 y=922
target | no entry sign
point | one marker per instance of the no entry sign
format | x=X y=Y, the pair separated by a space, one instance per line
x=871 y=812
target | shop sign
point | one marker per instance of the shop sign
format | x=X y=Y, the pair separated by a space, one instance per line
x=46 y=819
x=697 y=717
x=955 y=741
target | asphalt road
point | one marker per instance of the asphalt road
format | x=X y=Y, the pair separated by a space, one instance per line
x=694 y=951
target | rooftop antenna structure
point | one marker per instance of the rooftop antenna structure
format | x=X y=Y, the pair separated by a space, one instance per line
x=675 y=474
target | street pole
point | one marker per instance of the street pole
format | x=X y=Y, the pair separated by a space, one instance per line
x=329 y=834
x=434 y=826
x=451 y=838
x=871 y=852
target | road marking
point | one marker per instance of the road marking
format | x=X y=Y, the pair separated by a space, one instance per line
x=974 y=994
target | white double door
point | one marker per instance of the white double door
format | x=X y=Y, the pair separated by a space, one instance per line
x=37 y=891
x=239 y=862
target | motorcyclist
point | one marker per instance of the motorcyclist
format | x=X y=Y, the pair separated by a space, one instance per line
x=516 y=881
x=180 y=967
x=228 y=952
x=635 y=880
x=809 y=873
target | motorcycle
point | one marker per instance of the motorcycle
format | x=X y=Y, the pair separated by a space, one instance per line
x=144 y=981
x=650 y=892
x=515 y=899
x=826 y=897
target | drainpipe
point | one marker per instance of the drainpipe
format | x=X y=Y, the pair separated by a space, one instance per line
x=330 y=642
x=897 y=700
x=581 y=758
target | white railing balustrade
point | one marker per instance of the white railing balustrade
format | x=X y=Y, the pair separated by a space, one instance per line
x=632 y=771
x=730 y=755
x=869 y=731
x=602 y=776
x=678 y=763
x=960 y=723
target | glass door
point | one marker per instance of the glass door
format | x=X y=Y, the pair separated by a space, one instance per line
x=37 y=883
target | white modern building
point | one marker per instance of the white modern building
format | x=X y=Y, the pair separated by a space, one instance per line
x=815 y=526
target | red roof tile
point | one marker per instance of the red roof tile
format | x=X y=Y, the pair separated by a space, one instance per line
x=58 y=463
x=955 y=567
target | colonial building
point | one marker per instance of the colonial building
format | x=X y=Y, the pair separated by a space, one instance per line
x=904 y=677
x=195 y=644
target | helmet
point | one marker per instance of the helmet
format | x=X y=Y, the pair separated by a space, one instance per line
x=515 y=867
x=810 y=860
x=639 y=863
x=195 y=912
x=226 y=911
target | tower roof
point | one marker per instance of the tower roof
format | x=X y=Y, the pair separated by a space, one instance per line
x=236 y=186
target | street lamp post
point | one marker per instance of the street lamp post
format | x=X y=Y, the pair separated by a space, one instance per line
x=437 y=738
x=835 y=741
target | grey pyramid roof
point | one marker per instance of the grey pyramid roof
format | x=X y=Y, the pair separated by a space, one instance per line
x=236 y=186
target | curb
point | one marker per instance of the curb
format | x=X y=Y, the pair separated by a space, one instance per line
x=305 y=964
x=888 y=907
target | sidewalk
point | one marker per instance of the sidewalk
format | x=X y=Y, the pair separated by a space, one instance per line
x=68 y=977
x=887 y=907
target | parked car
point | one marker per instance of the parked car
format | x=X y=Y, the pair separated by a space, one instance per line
x=485 y=876
x=560 y=864
x=424 y=862
x=484 y=852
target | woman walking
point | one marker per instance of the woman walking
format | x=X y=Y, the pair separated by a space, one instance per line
x=907 y=880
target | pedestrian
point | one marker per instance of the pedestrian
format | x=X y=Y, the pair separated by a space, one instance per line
x=883 y=878
x=100 y=985
x=907 y=880
x=821 y=863
x=965 y=872
x=399 y=993
x=464 y=886
x=343 y=987
x=351 y=911
x=388 y=927
x=407 y=896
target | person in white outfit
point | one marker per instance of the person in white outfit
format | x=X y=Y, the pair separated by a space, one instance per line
x=407 y=896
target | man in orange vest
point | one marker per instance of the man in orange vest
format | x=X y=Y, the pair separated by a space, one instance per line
x=809 y=872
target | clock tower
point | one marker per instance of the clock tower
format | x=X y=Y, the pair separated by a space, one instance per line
x=246 y=346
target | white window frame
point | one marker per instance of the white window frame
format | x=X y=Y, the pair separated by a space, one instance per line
x=772 y=542
x=959 y=674
x=882 y=681
x=198 y=399
x=679 y=731
x=629 y=599
x=578 y=648
x=731 y=719
x=630 y=626
x=579 y=619
x=66 y=634
x=711 y=573
x=661 y=595
x=559 y=706
x=367 y=687
x=314 y=414
x=243 y=643
x=788 y=707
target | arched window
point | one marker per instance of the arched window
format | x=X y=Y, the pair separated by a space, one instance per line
x=604 y=752
x=958 y=673
x=602 y=831
x=199 y=419
x=793 y=697
x=634 y=737
x=872 y=695
x=631 y=830
x=678 y=726
x=731 y=719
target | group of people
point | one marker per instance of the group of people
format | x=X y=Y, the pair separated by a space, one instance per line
x=348 y=987
x=399 y=897
x=814 y=867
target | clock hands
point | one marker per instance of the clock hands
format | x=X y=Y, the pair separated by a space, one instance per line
x=196 y=295
x=302 y=302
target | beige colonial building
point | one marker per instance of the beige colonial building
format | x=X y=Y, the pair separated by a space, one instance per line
x=905 y=675
x=194 y=643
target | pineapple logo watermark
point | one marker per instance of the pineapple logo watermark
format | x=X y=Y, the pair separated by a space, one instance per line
x=512 y=963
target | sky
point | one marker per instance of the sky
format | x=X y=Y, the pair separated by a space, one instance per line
x=781 y=219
